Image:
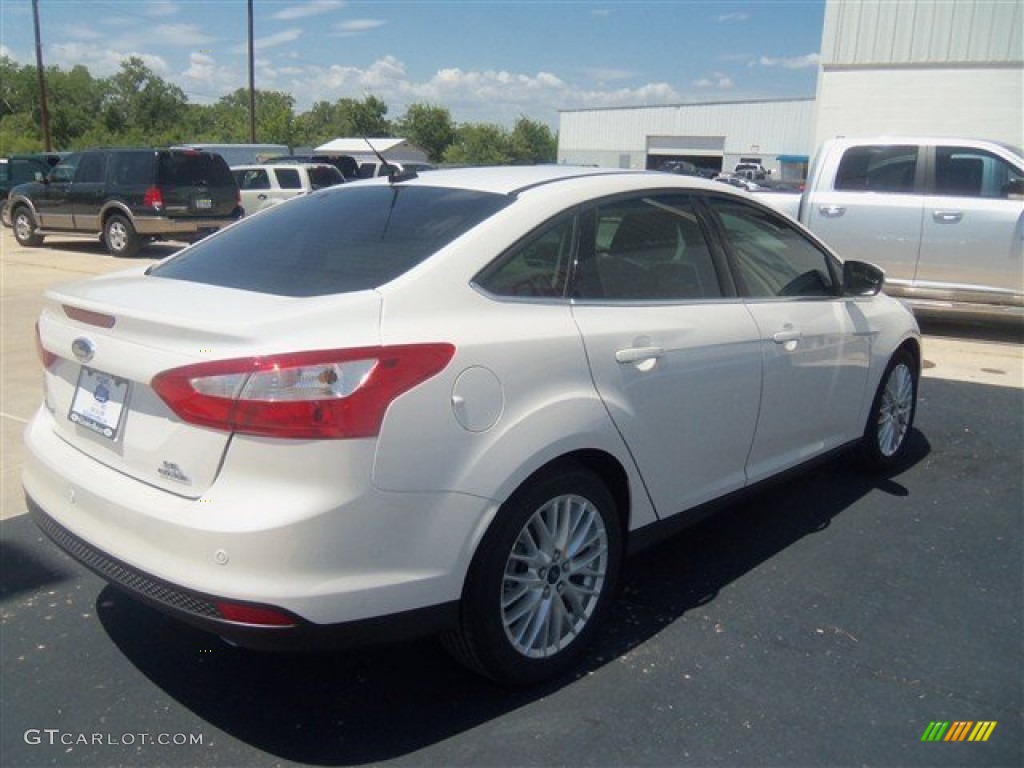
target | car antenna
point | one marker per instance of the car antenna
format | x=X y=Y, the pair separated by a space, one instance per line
x=394 y=175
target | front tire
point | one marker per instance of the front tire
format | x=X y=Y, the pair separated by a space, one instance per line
x=120 y=237
x=886 y=435
x=542 y=579
x=24 y=226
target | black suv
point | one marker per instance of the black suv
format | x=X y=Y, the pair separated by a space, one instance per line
x=127 y=196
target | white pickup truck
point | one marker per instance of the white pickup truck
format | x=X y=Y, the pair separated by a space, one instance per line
x=944 y=217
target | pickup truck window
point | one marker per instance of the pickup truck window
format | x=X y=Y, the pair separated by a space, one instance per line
x=878 y=169
x=968 y=172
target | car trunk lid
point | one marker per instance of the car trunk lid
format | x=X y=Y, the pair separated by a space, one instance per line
x=107 y=338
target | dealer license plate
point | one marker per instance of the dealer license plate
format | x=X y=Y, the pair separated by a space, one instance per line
x=99 y=402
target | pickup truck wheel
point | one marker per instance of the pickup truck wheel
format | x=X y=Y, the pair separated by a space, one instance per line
x=24 y=227
x=120 y=237
x=542 y=579
x=892 y=414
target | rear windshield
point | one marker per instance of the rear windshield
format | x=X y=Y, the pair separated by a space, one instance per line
x=194 y=169
x=324 y=176
x=343 y=239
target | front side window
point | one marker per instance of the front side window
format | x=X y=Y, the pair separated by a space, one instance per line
x=772 y=259
x=889 y=169
x=646 y=249
x=966 y=172
x=64 y=171
x=255 y=178
x=351 y=238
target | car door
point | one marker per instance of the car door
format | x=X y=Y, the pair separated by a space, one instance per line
x=254 y=186
x=972 y=245
x=53 y=205
x=675 y=358
x=872 y=210
x=815 y=344
x=289 y=184
x=87 y=191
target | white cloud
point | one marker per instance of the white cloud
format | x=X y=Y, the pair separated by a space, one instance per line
x=716 y=80
x=730 y=17
x=607 y=74
x=601 y=12
x=792 y=62
x=160 y=8
x=283 y=37
x=306 y=10
x=101 y=62
x=356 y=26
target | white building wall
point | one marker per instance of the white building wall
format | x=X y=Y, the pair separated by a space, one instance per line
x=982 y=102
x=625 y=137
x=953 y=67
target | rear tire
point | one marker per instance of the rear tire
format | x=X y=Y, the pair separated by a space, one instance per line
x=25 y=230
x=887 y=433
x=542 y=579
x=120 y=237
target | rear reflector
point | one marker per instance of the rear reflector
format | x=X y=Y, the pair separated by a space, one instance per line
x=255 y=615
x=336 y=394
x=89 y=317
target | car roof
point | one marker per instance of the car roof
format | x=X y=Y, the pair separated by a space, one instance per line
x=512 y=179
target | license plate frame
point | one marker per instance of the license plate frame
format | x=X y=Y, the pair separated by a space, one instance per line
x=99 y=402
x=202 y=203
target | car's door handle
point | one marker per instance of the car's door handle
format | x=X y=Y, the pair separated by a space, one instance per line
x=783 y=337
x=947 y=217
x=261 y=197
x=638 y=354
x=831 y=211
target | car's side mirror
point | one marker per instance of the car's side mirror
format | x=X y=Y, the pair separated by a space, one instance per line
x=39 y=176
x=862 y=279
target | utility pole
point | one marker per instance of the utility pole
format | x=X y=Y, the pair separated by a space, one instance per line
x=252 y=84
x=44 y=112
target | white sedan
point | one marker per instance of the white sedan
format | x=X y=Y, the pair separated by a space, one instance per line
x=451 y=404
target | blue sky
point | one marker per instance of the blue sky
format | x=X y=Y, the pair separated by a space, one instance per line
x=484 y=61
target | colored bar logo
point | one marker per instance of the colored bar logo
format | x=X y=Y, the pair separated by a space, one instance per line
x=959 y=730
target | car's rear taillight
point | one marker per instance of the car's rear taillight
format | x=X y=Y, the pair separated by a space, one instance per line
x=153 y=198
x=324 y=394
x=45 y=356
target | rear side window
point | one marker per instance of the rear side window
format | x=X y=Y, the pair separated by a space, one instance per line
x=193 y=169
x=131 y=168
x=288 y=178
x=92 y=168
x=324 y=176
x=346 y=239
x=878 y=169
x=646 y=249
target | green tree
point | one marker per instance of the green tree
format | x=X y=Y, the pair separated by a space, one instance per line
x=429 y=127
x=479 y=144
x=532 y=142
x=140 y=105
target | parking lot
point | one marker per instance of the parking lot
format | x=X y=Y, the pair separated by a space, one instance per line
x=827 y=621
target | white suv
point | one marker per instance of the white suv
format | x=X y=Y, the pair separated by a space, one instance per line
x=262 y=186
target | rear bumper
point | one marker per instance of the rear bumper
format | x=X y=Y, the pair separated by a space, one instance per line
x=348 y=562
x=200 y=609
x=163 y=225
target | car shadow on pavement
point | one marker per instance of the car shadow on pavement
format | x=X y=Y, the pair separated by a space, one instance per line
x=374 y=704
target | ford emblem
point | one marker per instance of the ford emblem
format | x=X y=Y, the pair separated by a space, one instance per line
x=83 y=349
